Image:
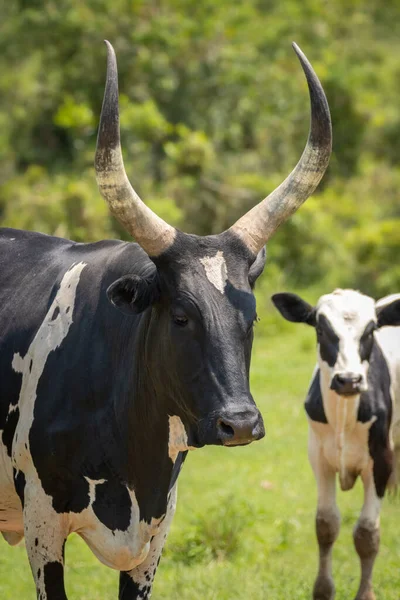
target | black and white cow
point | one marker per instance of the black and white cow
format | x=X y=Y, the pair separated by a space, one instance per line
x=116 y=358
x=353 y=408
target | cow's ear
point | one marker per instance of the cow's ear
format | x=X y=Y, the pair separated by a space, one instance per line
x=132 y=294
x=295 y=309
x=388 y=314
x=257 y=267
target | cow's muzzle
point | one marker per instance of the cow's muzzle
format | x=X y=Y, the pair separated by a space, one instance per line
x=347 y=384
x=239 y=428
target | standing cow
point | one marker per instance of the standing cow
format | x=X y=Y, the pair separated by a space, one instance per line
x=116 y=358
x=353 y=408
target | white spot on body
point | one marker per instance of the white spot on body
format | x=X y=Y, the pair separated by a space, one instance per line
x=143 y=575
x=177 y=437
x=121 y=550
x=50 y=335
x=216 y=271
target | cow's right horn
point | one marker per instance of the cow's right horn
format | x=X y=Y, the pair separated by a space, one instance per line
x=257 y=225
x=150 y=231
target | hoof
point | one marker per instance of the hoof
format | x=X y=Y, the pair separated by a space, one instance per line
x=324 y=589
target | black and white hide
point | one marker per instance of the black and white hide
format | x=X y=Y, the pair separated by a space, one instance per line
x=353 y=409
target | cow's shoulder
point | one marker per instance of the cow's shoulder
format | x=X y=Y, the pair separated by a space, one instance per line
x=314 y=405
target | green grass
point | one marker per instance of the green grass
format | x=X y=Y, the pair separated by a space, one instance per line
x=244 y=527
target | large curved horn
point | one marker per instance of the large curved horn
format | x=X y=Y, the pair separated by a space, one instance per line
x=152 y=233
x=257 y=225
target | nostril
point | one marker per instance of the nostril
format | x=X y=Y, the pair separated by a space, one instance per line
x=357 y=379
x=341 y=379
x=226 y=429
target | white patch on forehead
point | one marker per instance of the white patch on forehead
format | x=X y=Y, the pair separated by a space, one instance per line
x=216 y=271
x=347 y=307
x=178 y=441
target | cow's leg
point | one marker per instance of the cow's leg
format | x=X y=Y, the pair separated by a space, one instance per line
x=327 y=519
x=138 y=583
x=45 y=535
x=366 y=536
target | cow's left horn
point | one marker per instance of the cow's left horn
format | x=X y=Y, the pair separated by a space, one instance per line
x=257 y=225
x=152 y=233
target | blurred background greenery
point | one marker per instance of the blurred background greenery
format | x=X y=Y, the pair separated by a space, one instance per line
x=214 y=111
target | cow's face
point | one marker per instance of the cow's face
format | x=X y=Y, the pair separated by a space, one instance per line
x=345 y=322
x=202 y=306
x=345 y=325
x=200 y=334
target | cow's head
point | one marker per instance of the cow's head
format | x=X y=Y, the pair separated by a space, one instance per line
x=200 y=326
x=345 y=322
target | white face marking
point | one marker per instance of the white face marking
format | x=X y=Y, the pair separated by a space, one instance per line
x=216 y=271
x=348 y=312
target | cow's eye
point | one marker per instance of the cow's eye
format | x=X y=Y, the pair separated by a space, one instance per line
x=181 y=320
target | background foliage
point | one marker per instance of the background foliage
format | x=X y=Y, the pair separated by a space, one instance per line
x=214 y=115
x=214 y=112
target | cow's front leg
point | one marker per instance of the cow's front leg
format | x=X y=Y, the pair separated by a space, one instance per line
x=45 y=535
x=327 y=519
x=366 y=535
x=138 y=582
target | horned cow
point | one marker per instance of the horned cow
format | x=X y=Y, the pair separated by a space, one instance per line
x=116 y=358
x=353 y=409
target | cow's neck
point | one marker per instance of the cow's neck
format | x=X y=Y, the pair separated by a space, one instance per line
x=143 y=420
x=341 y=411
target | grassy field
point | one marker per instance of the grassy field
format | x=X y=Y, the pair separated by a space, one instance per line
x=244 y=527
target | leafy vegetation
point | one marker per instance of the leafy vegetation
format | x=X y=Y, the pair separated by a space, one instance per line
x=214 y=115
